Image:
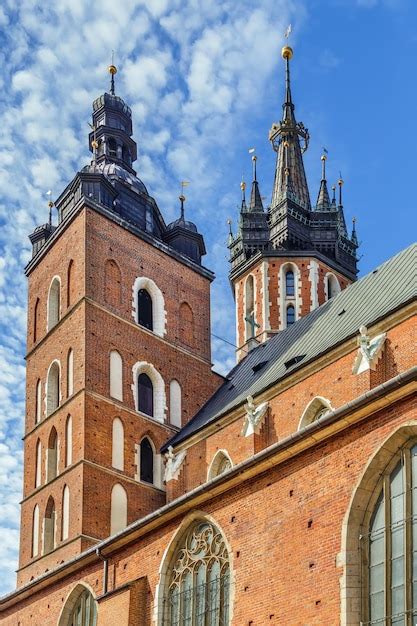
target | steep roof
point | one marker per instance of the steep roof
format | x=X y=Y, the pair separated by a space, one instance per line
x=387 y=288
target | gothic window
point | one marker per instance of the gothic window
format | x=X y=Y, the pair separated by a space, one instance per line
x=68 y=441
x=36 y=321
x=65 y=513
x=186 y=324
x=315 y=409
x=112 y=283
x=118 y=514
x=52 y=455
x=54 y=303
x=38 y=402
x=175 y=403
x=83 y=612
x=112 y=148
x=249 y=307
x=53 y=388
x=198 y=580
x=145 y=395
x=146 y=461
x=49 y=534
x=70 y=282
x=290 y=314
x=38 y=464
x=116 y=375
x=70 y=373
x=389 y=547
x=289 y=283
x=118 y=444
x=221 y=463
x=332 y=286
x=35 y=531
x=145 y=315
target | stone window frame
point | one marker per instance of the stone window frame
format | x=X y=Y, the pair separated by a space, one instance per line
x=358 y=514
x=66 y=513
x=220 y=457
x=283 y=299
x=120 y=525
x=49 y=327
x=316 y=408
x=159 y=396
x=158 y=304
x=48 y=413
x=35 y=531
x=175 y=403
x=118 y=444
x=71 y=600
x=163 y=578
x=330 y=276
x=246 y=326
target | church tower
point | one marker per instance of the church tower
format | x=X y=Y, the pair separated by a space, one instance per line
x=292 y=257
x=118 y=350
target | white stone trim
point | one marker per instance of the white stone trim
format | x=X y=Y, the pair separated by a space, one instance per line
x=65 y=513
x=71 y=600
x=329 y=276
x=68 y=441
x=70 y=373
x=118 y=444
x=265 y=295
x=35 y=531
x=116 y=375
x=313 y=277
x=175 y=403
x=159 y=397
x=255 y=301
x=311 y=410
x=157 y=480
x=283 y=299
x=50 y=325
x=237 y=292
x=118 y=508
x=215 y=462
x=47 y=385
x=158 y=304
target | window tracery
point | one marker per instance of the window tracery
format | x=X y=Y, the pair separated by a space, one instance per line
x=84 y=613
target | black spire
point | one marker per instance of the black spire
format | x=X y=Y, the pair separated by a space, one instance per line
x=323 y=199
x=255 y=196
x=243 y=207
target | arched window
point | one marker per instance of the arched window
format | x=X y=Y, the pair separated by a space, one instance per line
x=290 y=314
x=38 y=464
x=70 y=373
x=112 y=148
x=80 y=610
x=65 y=513
x=145 y=315
x=197 y=587
x=118 y=444
x=186 y=324
x=54 y=303
x=53 y=388
x=175 y=403
x=52 y=455
x=389 y=550
x=146 y=461
x=118 y=515
x=35 y=320
x=289 y=283
x=145 y=395
x=35 y=531
x=221 y=463
x=38 y=407
x=116 y=375
x=70 y=272
x=250 y=307
x=49 y=531
x=68 y=441
x=315 y=409
x=112 y=283
x=332 y=286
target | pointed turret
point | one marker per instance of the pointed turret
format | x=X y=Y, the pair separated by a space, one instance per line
x=323 y=199
x=255 y=196
x=290 y=179
x=354 y=237
x=243 y=207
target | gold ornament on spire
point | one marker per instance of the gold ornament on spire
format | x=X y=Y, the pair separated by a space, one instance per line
x=287 y=53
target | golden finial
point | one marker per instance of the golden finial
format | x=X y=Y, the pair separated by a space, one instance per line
x=323 y=157
x=243 y=185
x=112 y=71
x=287 y=53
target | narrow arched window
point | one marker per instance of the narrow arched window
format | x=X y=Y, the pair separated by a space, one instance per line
x=289 y=283
x=38 y=407
x=198 y=579
x=52 y=455
x=68 y=441
x=290 y=315
x=54 y=303
x=389 y=554
x=118 y=444
x=186 y=324
x=53 y=388
x=35 y=320
x=145 y=395
x=84 y=611
x=38 y=464
x=250 y=307
x=145 y=312
x=70 y=373
x=112 y=148
x=112 y=283
x=49 y=530
x=175 y=403
x=35 y=531
x=70 y=286
x=333 y=286
x=65 y=513
x=118 y=515
x=146 y=461
x=116 y=375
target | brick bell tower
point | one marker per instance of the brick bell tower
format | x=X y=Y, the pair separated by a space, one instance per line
x=118 y=350
x=292 y=257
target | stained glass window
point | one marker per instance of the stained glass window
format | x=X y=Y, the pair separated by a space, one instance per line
x=84 y=612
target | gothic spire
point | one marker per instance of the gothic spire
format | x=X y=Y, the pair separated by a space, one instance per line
x=243 y=206
x=290 y=179
x=255 y=196
x=354 y=237
x=323 y=199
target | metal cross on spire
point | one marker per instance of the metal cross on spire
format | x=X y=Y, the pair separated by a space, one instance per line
x=250 y=319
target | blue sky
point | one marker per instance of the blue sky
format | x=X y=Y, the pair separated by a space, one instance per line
x=205 y=82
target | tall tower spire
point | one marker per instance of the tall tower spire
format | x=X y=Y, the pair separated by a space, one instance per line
x=323 y=199
x=290 y=179
x=255 y=196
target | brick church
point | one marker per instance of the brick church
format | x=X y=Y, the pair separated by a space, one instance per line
x=159 y=493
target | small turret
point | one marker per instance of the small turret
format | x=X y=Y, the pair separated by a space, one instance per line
x=183 y=236
x=323 y=199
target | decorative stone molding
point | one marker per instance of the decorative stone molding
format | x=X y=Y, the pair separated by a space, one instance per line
x=316 y=408
x=369 y=351
x=158 y=303
x=159 y=397
x=173 y=464
x=220 y=463
x=254 y=417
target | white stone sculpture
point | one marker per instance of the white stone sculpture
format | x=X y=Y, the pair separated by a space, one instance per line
x=254 y=417
x=369 y=351
x=173 y=464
